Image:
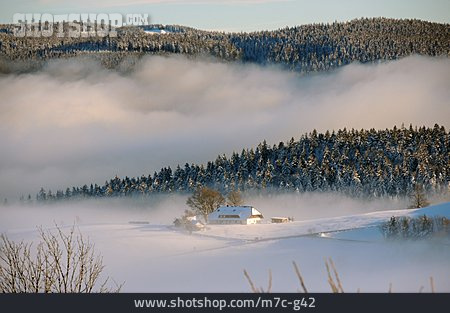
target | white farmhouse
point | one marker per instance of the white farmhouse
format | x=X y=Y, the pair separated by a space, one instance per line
x=235 y=215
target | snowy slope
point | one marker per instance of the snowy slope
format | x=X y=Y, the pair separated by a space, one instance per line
x=317 y=226
x=158 y=258
x=442 y=209
x=370 y=232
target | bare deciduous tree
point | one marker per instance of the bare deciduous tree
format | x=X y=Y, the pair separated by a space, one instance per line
x=418 y=198
x=234 y=198
x=60 y=263
x=205 y=200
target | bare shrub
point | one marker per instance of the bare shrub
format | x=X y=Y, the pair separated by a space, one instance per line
x=59 y=263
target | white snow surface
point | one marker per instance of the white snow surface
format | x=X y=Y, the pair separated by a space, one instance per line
x=159 y=258
x=156 y=31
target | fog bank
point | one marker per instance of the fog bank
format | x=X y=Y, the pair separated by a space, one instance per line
x=74 y=122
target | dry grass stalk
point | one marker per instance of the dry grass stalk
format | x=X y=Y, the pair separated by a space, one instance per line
x=252 y=285
x=269 y=287
x=336 y=275
x=300 y=277
x=254 y=288
x=334 y=289
x=334 y=283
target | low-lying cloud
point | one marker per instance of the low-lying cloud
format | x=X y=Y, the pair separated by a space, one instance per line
x=162 y=210
x=74 y=122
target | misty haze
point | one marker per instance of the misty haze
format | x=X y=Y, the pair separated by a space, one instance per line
x=74 y=122
x=188 y=156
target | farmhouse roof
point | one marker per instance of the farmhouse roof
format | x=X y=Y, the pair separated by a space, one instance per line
x=235 y=212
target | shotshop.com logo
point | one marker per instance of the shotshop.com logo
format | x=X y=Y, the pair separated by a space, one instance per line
x=74 y=24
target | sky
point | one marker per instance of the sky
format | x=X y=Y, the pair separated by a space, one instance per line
x=234 y=15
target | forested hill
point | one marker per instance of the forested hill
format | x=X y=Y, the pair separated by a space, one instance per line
x=367 y=163
x=306 y=48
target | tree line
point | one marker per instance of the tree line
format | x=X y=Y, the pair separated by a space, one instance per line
x=306 y=48
x=362 y=163
x=420 y=227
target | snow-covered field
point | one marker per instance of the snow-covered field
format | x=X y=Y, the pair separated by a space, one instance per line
x=157 y=258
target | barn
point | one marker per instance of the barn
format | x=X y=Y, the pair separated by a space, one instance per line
x=235 y=215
